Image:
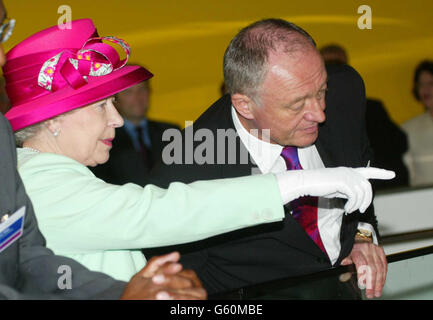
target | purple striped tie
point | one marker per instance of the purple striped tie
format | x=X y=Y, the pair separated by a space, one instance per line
x=304 y=208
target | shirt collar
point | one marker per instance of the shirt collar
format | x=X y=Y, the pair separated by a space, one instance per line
x=130 y=127
x=263 y=153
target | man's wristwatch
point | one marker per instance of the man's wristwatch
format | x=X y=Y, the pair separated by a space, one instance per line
x=364 y=235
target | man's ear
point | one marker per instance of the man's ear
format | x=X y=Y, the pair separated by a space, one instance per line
x=243 y=105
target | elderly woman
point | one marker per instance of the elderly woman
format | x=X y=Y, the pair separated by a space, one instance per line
x=61 y=84
x=419 y=130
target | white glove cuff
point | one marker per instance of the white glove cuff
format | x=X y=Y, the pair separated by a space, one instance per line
x=291 y=184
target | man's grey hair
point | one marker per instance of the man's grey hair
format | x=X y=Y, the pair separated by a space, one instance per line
x=245 y=59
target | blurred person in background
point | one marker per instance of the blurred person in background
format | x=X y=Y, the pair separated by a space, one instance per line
x=138 y=145
x=334 y=54
x=387 y=139
x=419 y=157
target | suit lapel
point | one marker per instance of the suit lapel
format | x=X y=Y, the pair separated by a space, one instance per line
x=155 y=135
x=324 y=147
x=330 y=142
x=226 y=123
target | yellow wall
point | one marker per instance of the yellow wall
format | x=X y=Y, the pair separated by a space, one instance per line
x=182 y=42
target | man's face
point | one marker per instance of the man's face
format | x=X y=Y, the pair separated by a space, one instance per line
x=425 y=89
x=133 y=103
x=292 y=98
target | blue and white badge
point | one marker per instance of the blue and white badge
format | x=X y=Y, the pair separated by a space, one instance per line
x=11 y=228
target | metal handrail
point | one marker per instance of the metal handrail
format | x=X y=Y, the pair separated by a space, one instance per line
x=249 y=291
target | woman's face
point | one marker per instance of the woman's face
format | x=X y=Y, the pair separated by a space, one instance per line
x=86 y=134
x=425 y=89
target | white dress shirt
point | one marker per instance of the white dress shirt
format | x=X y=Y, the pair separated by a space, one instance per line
x=267 y=157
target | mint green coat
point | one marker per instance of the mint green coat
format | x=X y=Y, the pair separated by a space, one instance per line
x=104 y=226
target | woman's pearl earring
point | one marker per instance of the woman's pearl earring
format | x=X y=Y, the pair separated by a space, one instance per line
x=56 y=133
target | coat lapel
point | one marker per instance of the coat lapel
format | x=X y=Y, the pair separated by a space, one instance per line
x=330 y=142
x=226 y=122
x=324 y=147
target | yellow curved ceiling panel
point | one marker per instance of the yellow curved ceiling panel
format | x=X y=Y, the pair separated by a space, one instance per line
x=183 y=41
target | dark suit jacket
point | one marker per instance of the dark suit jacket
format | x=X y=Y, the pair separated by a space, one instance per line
x=125 y=163
x=28 y=270
x=281 y=249
x=388 y=143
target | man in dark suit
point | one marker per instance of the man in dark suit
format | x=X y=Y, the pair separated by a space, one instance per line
x=138 y=144
x=277 y=82
x=29 y=270
x=389 y=144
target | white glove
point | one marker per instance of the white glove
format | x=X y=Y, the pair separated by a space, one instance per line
x=341 y=182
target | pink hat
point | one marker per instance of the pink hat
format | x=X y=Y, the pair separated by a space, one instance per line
x=55 y=71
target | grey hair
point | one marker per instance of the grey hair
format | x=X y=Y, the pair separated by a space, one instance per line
x=246 y=56
x=29 y=132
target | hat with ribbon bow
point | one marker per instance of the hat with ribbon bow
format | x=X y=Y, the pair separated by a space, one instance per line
x=57 y=70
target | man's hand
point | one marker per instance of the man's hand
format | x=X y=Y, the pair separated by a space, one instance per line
x=371 y=266
x=164 y=279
